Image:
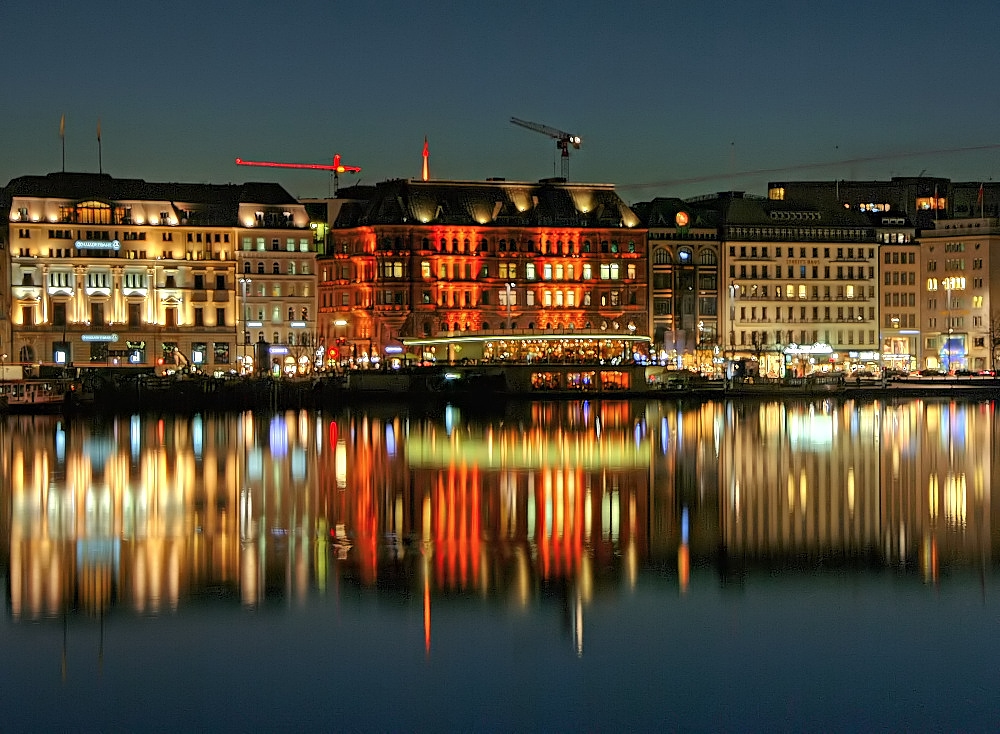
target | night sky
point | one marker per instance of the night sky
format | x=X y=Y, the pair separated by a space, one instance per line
x=674 y=99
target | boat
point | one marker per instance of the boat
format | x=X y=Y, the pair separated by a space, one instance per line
x=35 y=395
x=817 y=384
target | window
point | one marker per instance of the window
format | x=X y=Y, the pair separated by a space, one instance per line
x=220 y=317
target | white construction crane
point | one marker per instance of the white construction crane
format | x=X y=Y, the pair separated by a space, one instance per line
x=563 y=140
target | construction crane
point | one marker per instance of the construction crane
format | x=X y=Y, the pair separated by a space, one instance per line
x=563 y=140
x=336 y=167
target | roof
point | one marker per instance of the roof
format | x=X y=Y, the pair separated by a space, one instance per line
x=102 y=186
x=490 y=203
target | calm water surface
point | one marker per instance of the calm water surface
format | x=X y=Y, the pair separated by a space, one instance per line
x=759 y=566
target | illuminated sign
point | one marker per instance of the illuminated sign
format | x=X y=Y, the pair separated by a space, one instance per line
x=298 y=324
x=817 y=348
x=99 y=337
x=255 y=324
x=393 y=350
x=681 y=219
x=97 y=245
x=277 y=350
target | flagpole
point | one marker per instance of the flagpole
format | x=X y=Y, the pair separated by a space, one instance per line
x=100 y=160
x=62 y=135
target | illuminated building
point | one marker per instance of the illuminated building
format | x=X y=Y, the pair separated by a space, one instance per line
x=801 y=287
x=115 y=272
x=684 y=283
x=900 y=278
x=433 y=258
x=959 y=290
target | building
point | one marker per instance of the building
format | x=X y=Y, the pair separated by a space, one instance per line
x=113 y=272
x=900 y=269
x=436 y=258
x=960 y=286
x=801 y=286
x=924 y=199
x=684 y=282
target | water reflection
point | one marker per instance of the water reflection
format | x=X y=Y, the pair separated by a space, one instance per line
x=556 y=499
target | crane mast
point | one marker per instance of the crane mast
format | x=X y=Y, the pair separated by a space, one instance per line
x=563 y=140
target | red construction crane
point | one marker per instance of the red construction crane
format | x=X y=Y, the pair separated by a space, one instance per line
x=336 y=167
x=563 y=140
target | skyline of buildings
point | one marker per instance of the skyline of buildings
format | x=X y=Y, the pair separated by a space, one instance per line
x=815 y=276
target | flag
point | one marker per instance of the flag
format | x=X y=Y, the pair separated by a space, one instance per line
x=98 y=129
x=979 y=198
x=62 y=127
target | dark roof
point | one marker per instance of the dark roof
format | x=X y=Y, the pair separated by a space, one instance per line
x=101 y=186
x=661 y=212
x=489 y=203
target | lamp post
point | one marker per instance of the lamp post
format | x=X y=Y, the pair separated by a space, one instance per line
x=244 y=282
x=510 y=297
x=3 y=366
x=338 y=325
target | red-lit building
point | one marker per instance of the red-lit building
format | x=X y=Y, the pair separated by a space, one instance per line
x=414 y=258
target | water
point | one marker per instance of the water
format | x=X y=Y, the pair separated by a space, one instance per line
x=757 y=566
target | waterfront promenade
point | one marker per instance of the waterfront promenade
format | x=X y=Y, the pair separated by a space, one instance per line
x=481 y=388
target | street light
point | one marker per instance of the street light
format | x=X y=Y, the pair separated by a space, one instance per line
x=244 y=282
x=338 y=325
x=510 y=297
x=3 y=366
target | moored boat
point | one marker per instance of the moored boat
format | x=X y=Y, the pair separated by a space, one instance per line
x=34 y=395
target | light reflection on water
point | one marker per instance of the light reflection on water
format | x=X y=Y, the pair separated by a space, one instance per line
x=564 y=565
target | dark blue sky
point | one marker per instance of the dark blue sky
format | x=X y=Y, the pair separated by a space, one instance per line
x=661 y=92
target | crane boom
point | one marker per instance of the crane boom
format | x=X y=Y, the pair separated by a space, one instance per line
x=336 y=167
x=563 y=139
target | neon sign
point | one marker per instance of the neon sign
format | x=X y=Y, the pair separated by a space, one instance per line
x=97 y=245
x=99 y=337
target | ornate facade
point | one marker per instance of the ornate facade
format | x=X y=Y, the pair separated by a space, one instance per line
x=416 y=258
x=114 y=272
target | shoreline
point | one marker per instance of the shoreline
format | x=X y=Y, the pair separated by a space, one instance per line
x=473 y=390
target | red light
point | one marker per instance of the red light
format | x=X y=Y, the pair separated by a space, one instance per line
x=334 y=352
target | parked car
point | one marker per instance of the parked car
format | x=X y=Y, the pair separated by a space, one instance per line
x=931 y=372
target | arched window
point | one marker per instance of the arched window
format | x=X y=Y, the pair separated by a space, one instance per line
x=276 y=269
x=260 y=268
x=484 y=326
x=291 y=268
x=246 y=266
x=685 y=256
x=274 y=338
x=707 y=257
x=661 y=256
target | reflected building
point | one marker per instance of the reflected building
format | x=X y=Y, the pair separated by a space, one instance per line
x=558 y=500
x=937 y=484
x=800 y=481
